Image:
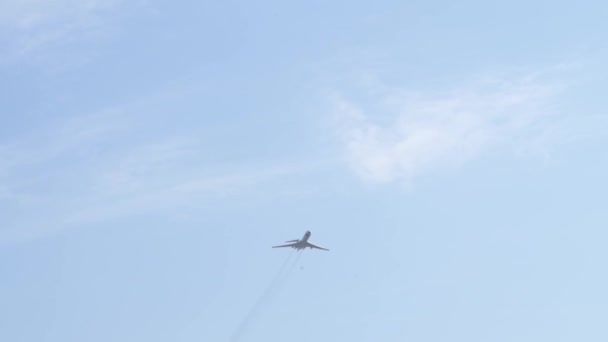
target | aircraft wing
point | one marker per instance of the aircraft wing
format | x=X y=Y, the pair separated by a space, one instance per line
x=308 y=244
x=288 y=245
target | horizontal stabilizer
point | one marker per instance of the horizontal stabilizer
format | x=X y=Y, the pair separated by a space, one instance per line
x=292 y=241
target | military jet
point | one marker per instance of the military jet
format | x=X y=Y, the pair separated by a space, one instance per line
x=301 y=244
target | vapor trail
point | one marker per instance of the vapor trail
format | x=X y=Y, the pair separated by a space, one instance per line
x=282 y=274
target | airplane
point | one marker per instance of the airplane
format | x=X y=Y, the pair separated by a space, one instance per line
x=301 y=244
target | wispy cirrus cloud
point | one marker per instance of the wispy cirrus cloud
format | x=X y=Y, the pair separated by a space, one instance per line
x=30 y=14
x=111 y=165
x=30 y=27
x=400 y=134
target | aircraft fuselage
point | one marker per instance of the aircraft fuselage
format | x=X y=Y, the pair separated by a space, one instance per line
x=305 y=237
x=301 y=243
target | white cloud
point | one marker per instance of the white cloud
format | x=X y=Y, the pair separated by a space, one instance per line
x=399 y=135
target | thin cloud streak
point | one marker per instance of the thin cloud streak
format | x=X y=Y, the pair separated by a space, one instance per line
x=100 y=167
x=435 y=131
x=30 y=14
x=32 y=27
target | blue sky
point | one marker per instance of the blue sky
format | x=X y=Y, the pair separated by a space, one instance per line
x=451 y=156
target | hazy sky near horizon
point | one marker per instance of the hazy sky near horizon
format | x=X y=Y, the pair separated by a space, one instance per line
x=451 y=155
